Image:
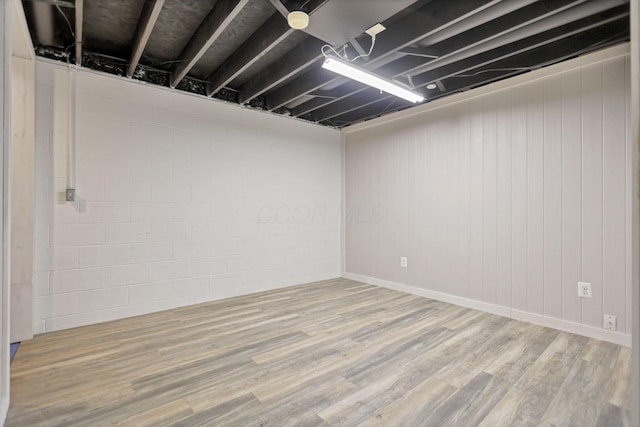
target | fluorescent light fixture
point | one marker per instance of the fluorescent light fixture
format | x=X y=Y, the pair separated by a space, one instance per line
x=351 y=71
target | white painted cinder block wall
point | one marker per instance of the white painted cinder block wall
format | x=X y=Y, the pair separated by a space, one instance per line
x=181 y=200
x=505 y=199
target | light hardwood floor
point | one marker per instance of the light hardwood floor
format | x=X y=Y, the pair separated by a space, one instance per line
x=337 y=353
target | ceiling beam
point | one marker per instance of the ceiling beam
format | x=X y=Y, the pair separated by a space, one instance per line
x=358 y=47
x=490 y=36
x=61 y=3
x=148 y=17
x=559 y=48
x=538 y=23
x=516 y=48
x=261 y=42
x=479 y=64
x=359 y=100
x=223 y=12
x=424 y=52
x=281 y=8
x=79 y=21
x=290 y=64
x=436 y=16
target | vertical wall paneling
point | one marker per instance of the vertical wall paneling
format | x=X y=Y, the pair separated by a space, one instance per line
x=519 y=200
x=552 y=236
x=613 y=215
x=571 y=195
x=512 y=197
x=592 y=192
x=503 y=200
x=535 y=197
x=489 y=201
x=476 y=210
x=402 y=189
x=464 y=201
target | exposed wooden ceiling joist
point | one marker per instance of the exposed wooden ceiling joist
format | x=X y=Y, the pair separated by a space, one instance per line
x=293 y=62
x=281 y=8
x=244 y=51
x=79 y=11
x=407 y=31
x=479 y=63
x=558 y=49
x=148 y=18
x=487 y=36
x=261 y=42
x=222 y=14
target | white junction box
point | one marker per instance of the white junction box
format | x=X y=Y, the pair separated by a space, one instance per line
x=584 y=289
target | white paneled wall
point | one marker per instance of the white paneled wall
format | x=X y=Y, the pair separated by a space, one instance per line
x=181 y=200
x=507 y=199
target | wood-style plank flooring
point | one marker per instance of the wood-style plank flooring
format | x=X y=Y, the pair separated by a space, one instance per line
x=339 y=353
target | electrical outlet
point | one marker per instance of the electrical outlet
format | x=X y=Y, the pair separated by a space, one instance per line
x=403 y=261
x=610 y=322
x=584 y=289
x=70 y=195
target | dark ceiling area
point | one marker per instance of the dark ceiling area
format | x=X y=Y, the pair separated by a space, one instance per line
x=244 y=52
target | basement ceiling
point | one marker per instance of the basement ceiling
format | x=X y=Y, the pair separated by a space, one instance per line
x=243 y=51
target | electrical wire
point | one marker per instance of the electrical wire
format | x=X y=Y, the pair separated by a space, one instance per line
x=66 y=19
x=373 y=43
x=344 y=51
x=66 y=49
x=322 y=49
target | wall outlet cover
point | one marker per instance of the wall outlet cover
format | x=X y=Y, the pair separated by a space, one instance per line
x=610 y=322
x=403 y=261
x=584 y=289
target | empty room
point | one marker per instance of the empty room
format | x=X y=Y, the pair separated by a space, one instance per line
x=320 y=213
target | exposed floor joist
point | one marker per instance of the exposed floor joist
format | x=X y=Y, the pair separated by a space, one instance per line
x=456 y=35
x=409 y=30
x=497 y=66
x=79 y=12
x=150 y=12
x=244 y=52
x=267 y=37
x=222 y=14
x=441 y=70
x=292 y=63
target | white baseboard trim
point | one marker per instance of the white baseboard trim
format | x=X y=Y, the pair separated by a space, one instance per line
x=537 y=319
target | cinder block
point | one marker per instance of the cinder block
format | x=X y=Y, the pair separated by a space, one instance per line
x=123 y=312
x=169 y=270
x=72 y=321
x=127 y=274
x=77 y=280
x=95 y=300
x=191 y=249
x=149 y=292
x=104 y=212
x=77 y=234
x=208 y=266
x=56 y=305
x=171 y=193
x=125 y=191
x=191 y=286
x=128 y=233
